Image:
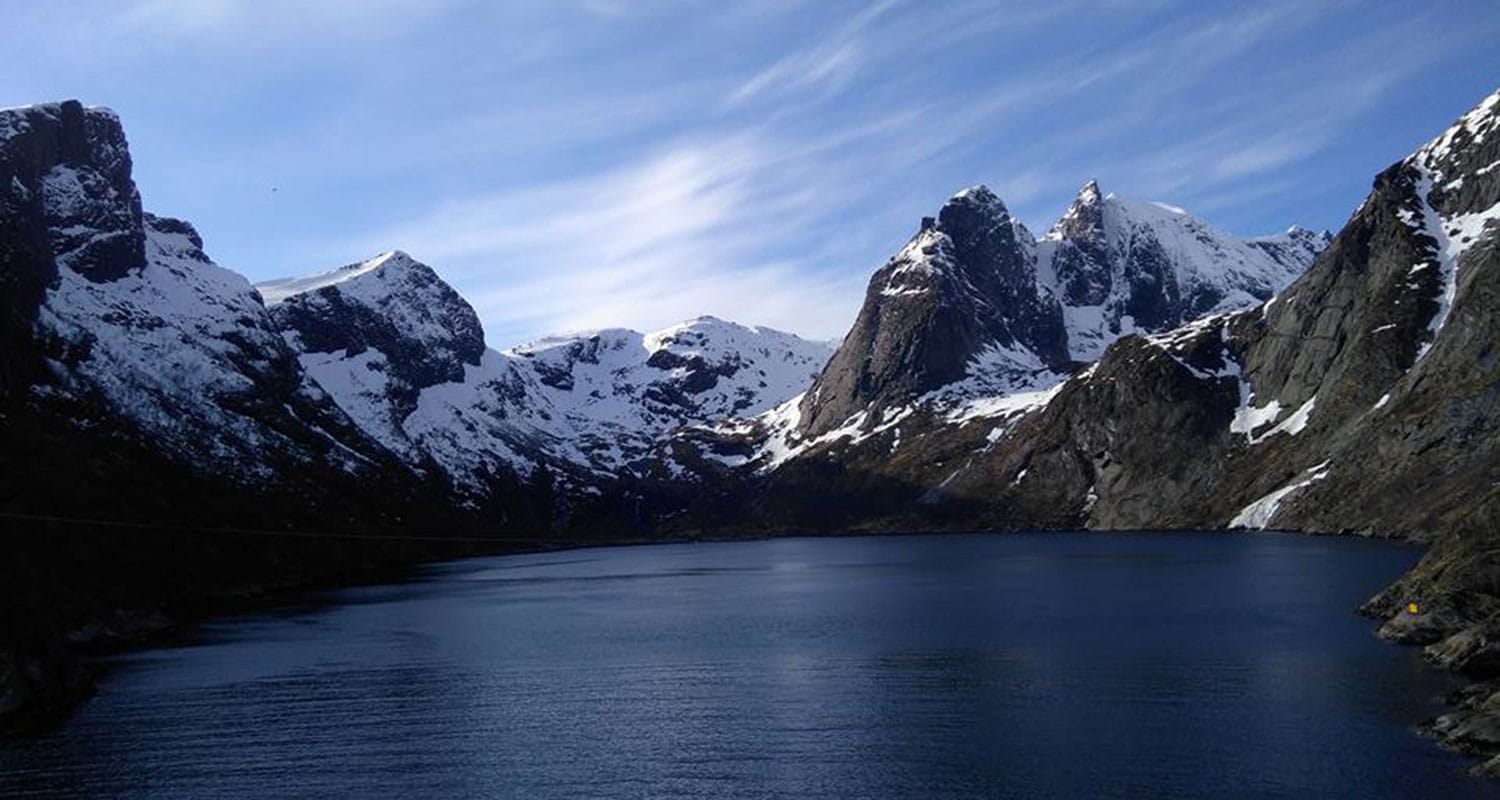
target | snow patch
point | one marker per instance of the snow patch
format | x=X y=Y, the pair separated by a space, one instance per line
x=1258 y=514
x=277 y=291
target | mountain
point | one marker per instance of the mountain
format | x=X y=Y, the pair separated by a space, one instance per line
x=1120 y=266
x=404 y=356
x=130 y=327
x=1381 y=353
x=975 y=317
x=963 y=287
x=618 y=392
x=160 y=445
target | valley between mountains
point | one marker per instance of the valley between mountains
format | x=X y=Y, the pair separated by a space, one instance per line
x=1132 y=367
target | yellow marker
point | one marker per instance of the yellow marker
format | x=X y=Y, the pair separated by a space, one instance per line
x=1411 y=608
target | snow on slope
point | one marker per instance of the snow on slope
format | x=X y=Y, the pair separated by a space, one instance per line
x=707 y=367
x=1122 y=266
x=605 y=399
x=1468 y=220
x=184 y=349
x=276 y=291
x=1021 y=313
x=598 y=400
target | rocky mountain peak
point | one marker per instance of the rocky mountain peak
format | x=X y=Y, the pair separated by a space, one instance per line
x=964 y=285
x=974 y=209
x=66 y=169
x=391 y=303
x=1084 y=219
x=1459 y=166
x=983 y=239
x=974 y=300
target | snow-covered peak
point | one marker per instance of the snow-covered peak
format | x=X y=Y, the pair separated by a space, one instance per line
x=391 y=303
x=598 y=400
x=1197 y=252
x=708 y=366
x=711 y=338
x=978 y=194
x=277 y=291
x=1120 y=266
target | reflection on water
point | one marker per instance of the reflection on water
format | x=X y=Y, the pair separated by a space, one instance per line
x=1079 y=665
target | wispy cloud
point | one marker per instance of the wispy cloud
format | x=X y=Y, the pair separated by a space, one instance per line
x=243 y=21
x=678 y=234
x=597 y=162
x=827 y=65
x=760 y=220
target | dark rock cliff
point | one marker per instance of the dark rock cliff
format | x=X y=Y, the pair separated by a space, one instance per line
x=962 y=284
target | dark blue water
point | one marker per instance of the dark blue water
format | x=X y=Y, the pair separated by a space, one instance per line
x=1075 y=666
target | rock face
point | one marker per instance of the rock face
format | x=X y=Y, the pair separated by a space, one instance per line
x=1120 y=266
x=131 y=319
x=1397 y=365
x=974 y=301
x=963 y=285
x=62 y=167
x=67 y=169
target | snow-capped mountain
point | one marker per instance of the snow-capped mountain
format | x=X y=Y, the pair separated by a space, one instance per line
x=377 y=367
x=1120 y=266
x=404 y=356
x=975 y=306
x=374 y=335
x=382 y=362
x=140 y=329
x=616 y=392
x=1359 y=398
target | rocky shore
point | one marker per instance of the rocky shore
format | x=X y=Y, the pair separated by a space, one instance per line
x=1449 y=605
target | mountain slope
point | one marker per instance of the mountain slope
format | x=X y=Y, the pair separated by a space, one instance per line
x=136 y=327
x=1382 y=353
x=1120 y=266
x=404 y=356
x=975 y=306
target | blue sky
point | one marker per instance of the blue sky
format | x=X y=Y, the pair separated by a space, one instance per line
x=577 y=164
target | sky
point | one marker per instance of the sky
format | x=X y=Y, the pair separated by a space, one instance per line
x=577 y=164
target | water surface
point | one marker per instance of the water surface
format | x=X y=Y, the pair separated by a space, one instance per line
x=1034 y=665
